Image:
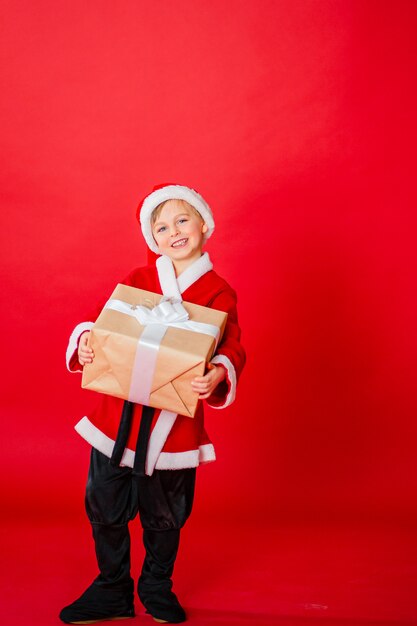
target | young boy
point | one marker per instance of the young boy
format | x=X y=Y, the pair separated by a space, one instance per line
x=126 y=477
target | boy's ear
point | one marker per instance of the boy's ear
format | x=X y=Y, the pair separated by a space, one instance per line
x=204 y=228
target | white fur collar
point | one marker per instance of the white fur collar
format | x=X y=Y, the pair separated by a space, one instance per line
x=173 y=287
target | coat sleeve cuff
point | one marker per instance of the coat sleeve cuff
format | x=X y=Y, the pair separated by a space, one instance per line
x=214 y=400
x=73 y=346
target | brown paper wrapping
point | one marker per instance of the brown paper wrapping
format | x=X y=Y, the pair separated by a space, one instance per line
x=182 y=355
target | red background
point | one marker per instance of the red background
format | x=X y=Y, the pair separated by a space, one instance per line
x=296 y=121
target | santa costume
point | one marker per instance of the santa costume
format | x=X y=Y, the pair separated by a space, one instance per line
x=120 y=484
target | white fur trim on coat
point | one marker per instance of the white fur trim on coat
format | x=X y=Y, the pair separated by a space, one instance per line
x=194 y=272
x=183 y=460
x=173 y=287
x=159 y=434
x=221 y=359
x=207 y=453
x=165 y=460
x=167 y=278
x=73 y=342
x=173 y=192
x=101 y=442
x=177 y=460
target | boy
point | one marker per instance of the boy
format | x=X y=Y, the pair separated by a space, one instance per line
x=126 y=477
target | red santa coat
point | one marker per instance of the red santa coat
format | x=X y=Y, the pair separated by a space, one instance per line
x=176 y=441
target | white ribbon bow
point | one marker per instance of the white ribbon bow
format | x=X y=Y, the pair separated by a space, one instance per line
x=166 y=313
x=156 y=321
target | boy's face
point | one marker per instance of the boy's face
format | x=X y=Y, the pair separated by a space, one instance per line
x=178 y=232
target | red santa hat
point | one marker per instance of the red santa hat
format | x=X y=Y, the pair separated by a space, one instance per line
x=161 y=193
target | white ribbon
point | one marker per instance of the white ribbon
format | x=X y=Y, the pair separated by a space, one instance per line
x=166 y=313
x=156 y=321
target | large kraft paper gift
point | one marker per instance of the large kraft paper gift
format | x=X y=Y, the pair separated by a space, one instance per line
x=147 y=349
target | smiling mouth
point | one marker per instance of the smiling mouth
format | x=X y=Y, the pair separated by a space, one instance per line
x=179 y=244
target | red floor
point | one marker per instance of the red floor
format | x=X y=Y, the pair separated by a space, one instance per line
x=289 y=576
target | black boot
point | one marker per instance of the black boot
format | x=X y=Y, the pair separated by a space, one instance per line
x=99 y=603
x=155 y=584
x=110 y=596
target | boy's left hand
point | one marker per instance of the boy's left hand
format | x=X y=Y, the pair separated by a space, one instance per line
x=205 y=385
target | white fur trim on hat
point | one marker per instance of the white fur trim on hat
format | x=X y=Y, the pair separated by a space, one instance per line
x=173 y=192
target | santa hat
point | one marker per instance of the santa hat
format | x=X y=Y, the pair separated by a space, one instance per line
x=161 y=193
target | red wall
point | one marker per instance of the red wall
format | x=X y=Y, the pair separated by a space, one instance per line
x=296 y=120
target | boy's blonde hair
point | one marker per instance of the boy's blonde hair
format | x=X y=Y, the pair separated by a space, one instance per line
x=157 y=210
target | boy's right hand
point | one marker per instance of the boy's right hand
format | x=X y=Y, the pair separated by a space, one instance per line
x=85 y=354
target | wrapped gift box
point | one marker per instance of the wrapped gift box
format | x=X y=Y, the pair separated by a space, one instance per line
x=148 y=349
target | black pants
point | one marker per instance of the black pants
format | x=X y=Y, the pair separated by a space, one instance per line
x=164 y=501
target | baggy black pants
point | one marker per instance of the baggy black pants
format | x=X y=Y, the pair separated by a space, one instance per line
x=164 y=501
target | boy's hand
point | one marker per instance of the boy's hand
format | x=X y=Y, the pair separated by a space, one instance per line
x=85 y=355
x=205 y=385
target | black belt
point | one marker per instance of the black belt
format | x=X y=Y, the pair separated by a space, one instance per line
x=142 y=441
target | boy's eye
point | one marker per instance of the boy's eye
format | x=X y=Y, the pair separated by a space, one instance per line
x=182 y=219
x=161 y=229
